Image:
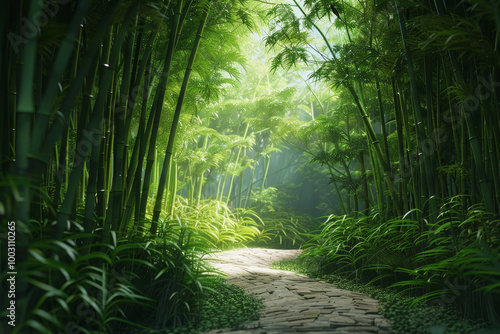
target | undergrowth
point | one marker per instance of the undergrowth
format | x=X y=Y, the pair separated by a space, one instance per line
x=406 y=314
x=451 y=257
x=223 y=306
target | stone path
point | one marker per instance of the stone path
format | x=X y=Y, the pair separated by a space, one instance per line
x=296 y=303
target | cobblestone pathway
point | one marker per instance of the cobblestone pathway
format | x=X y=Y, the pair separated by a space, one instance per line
x=296 y=303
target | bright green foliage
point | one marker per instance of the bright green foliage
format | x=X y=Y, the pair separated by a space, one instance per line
x=453 y=260
x=381 y=59
x=94 y=93
x=217 y=225
x=281 y=226
x=283 y=230
x=140 y=134
x=413 y=133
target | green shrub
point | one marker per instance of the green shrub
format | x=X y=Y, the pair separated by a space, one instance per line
x=451 y=260
x=78 y=285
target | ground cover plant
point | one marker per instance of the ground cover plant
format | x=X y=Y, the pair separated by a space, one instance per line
x=223 y=306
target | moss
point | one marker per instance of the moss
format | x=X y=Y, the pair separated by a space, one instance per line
x=223 y=306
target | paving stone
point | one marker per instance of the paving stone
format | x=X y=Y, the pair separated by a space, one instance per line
x=359 y=329
x=355 y=311
x=382 y=324
x=341 y=321
x=276 y=310
x=296 y=303
x=314 y=327
x=326 y=311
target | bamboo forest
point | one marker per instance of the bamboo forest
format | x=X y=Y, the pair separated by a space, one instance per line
x=345 y=152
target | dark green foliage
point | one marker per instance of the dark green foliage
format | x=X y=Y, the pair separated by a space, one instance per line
x=77 y=287
x=90 y=113
x=124 y=285
x=227 y=306
x=413 y=134
x=452 y=261
x=407 y=133
x=223 y=306
x=282 y=226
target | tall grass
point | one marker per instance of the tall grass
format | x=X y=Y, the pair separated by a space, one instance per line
x=283 y=230
x=213 y=225
x=455 y=260
x=217 y=225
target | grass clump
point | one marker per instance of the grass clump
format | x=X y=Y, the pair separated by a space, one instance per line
x=227 y=306
x=407 y=314
x=223 y=306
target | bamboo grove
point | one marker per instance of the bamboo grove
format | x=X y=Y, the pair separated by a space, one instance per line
x=439 y=130
x=411 y=138
x=88 y=90
x=138 y=134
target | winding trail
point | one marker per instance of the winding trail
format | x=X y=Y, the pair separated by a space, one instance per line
x=293 y=302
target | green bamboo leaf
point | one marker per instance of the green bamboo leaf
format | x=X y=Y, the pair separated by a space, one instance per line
x=63 y=304
x=94 y=256
x=47 y=316
x=45 y=287
x=37 y=326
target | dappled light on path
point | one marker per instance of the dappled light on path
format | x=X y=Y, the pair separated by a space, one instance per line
x=294 y=302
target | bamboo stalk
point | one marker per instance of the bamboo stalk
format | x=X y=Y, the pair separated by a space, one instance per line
x=485 y=185
x=57 y=127
x=121 y=132
x=135 y=167
x=93 y=127
x=60 y=63
x=431 y=138
x=134 y=171
x=158 y=106
x=427 y=189
x=21 y=172
x=175 y=121
x=236 y=163
x=24 y=114
x=401 y=146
